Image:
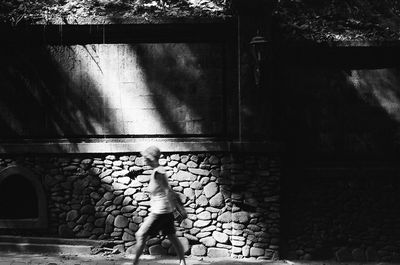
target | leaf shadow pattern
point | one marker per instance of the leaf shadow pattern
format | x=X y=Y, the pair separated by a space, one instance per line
x=45 y=98
x=186 y=84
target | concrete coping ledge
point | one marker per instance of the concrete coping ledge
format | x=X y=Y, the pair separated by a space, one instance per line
x=129 y=145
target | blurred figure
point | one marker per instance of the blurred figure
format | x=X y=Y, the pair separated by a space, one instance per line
x=161 y=216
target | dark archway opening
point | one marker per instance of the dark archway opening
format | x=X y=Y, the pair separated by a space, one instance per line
x=18 y=198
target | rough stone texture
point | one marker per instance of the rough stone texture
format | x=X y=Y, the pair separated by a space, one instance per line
x=256 y=252
x=202 y=223
x=358 y=255
x=157 y=250
x=217 y=201
x=240 y=217
x=128 y=237
x=202 y=201
x=210 y=189
x=338 y=202
x=198 y=250
x=72 y=215
x=208 y=241
x=184 y=176
x=99 y=201
x=225 y=217
x=220 y=237
x=204 y=215
x=344 y=254
x=121 y=221
x=198 y=171
x=65 y=231
x=218 y=253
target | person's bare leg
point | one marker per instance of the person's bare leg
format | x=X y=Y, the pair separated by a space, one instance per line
x=139 y=246
x=178 y=248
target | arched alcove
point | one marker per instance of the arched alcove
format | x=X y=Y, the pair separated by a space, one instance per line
x=23 y=202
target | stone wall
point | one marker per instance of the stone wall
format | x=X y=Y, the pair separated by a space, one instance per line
x=232 y=200
x=348 y=215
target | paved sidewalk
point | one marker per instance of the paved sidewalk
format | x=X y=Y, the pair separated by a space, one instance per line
x=45 y=259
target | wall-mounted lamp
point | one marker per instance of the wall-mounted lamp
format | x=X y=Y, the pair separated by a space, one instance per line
x=259 y=49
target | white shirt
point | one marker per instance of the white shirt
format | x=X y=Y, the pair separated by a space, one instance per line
x=159 y=192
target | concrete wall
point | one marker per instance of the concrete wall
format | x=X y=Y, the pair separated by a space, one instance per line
x=337 y=110
x=113 y=89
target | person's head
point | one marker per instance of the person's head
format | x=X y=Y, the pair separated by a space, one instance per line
x=151 y=155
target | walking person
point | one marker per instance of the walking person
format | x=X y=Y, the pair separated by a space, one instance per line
x=161 y=216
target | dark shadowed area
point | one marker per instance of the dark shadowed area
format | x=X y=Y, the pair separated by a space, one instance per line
x=340 y=120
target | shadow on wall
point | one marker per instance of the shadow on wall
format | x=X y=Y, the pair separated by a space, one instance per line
x=185 y=82
x=99 y=90
x=379 y=87
x=335 y=205
x=42 y=99
x=338 y=111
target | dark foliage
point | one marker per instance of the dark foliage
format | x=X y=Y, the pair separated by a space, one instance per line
x=344 y=20
x=107 y=11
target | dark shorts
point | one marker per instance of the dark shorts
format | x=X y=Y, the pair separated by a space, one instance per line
x=155 y=223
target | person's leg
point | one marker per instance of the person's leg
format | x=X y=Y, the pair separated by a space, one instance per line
x=139 y=246
x=178 y=248
x=142 y=235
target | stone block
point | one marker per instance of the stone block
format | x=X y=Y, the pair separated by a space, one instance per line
x=72 y=215
x=185 y=245
x=88 y=209
x=196 y=185
x=217 y=201
x=183 y=176
x=199 y=171
x=204 y=215
x=129 y=191
x=198 y=250
x=202 y=201
x=141 y=196
x=191 y=164
x=121 y=221
x=128 y=237
x=218 y=253
x=240 y=217
x=190 y=237
x=157 y=250
x=202 y=223
x=343 y=255
x=358 y=255
x=220 y=237
x=256 y=252
x=208 y=241
x=210 y=189
x=187 y=224
x=65 y=231
x=119 y=186
x=143 y=178
x=124 y=180
x=226 y=217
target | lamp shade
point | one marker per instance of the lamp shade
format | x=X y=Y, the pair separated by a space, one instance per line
x=259 y=48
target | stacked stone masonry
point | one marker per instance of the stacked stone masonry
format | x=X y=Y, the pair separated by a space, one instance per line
x=232 y=201
x=348 y=217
